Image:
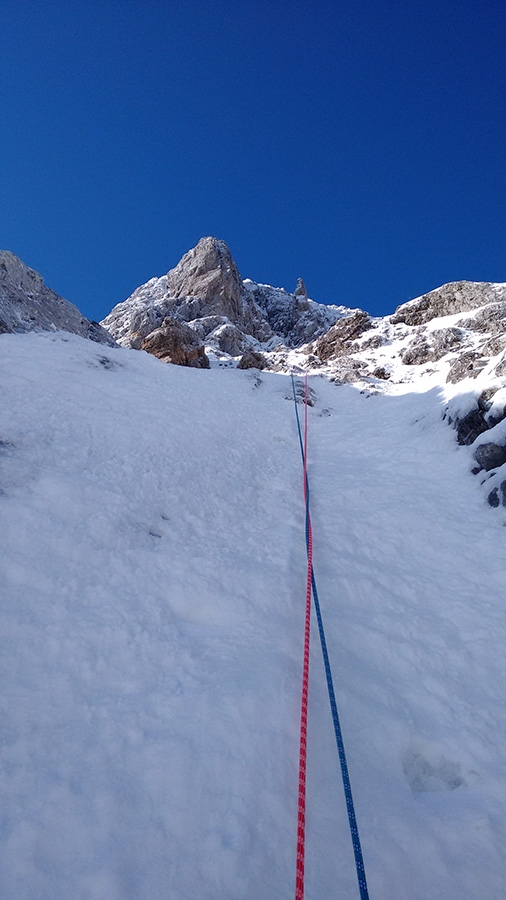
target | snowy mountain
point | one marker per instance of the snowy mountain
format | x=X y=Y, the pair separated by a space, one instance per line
x=153 y=579
x=227 y=314
x=202 y=311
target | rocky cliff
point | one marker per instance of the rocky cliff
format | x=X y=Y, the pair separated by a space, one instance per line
x=27 y=304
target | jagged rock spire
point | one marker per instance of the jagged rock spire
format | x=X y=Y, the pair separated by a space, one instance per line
x=209 y=274
x=301 y=302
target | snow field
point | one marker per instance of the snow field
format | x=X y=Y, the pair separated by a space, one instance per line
x=153 y=581
x=149 y=669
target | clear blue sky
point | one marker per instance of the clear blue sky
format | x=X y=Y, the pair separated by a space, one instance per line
x=360 y=144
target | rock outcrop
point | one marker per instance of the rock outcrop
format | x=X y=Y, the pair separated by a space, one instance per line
x=490 y=456
x=206 y=282
x=467 y=365
x=252 y=360
x=231 y=316
x=27 y=304
x=477 y=430
x=339 y=340
x=452 y=298
x=175 y=342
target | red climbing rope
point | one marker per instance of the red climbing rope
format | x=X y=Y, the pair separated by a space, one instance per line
x=301 y=819
x=350 y=807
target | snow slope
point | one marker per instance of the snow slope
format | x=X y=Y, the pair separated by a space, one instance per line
x=153 y=579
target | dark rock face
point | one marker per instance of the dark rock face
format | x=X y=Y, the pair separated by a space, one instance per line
x=381 y=373
x=493 y=498
x=470 y=427
x=176 y=343
x=496 y=416
x=467 y=365
x=338 y=340
x=490 y=456
x=252 y=360
x=497 y=496
x=485 y=399
x=289 y=316
x=456 y=297
x=27 y=304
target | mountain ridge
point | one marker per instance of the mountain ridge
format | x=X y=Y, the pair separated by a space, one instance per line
x=27 y=304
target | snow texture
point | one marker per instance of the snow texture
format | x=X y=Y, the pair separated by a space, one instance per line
x=153 y=585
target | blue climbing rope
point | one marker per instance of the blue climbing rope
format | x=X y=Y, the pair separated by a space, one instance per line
x=350 y=807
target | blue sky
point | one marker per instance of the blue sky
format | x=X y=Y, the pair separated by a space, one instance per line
x=360 y=144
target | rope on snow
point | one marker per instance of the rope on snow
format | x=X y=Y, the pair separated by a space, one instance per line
x=311 y=587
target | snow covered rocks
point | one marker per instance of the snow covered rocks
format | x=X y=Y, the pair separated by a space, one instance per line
x=453 y=338
x=26 y=304
x=490 y=456
x=204 y=290
x=480 y=423
x=455 y=297
x=201 y=314
x=229 y=315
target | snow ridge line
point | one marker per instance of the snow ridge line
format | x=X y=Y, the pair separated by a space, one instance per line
x=350 y=806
